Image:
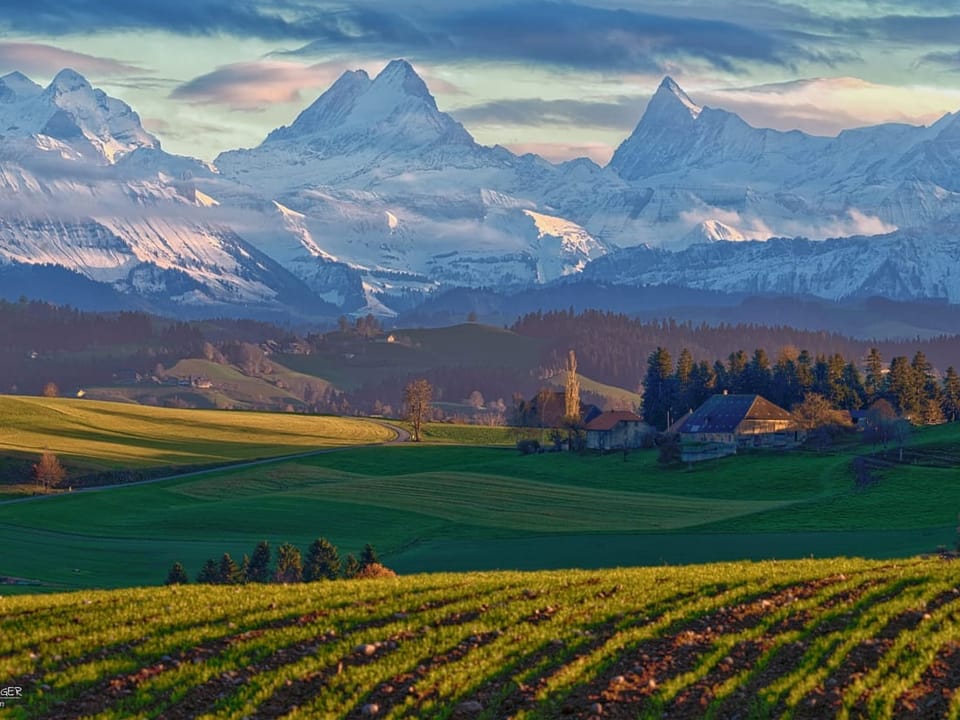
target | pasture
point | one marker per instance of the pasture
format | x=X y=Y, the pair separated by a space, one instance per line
x=450 y=508
x=805 y=639
x=90 y=436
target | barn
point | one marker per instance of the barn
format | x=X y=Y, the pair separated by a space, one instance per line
x=727 y=422
x=616 y=430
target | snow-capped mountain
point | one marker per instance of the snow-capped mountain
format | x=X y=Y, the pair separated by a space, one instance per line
x=70 y=116
x=373 y=194
x=703 y=164
x=84 y=186
x=381 y=180
x=905 y=265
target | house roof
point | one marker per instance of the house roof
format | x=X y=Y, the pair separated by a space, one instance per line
x=609 y=420
x=723 y=413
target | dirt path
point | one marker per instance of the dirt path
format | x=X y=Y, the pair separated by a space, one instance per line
x=402 y=437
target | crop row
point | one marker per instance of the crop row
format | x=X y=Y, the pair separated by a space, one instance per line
x=843 y=638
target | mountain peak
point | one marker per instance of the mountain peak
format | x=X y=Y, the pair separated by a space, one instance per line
x=16 y=85
x=671 y=95
x=401 y=75
x=69 y=80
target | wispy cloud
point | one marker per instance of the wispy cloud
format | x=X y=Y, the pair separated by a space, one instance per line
x=254 y=85
x=44 y=60
x=825 y=106
x=566 y=34
x=622 y=115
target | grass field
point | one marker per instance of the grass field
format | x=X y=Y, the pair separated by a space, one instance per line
x=444 y=507
x=803 y=639
x=91 y=436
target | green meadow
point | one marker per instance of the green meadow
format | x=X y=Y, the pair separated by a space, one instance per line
x=455 y=507
x=104 y=435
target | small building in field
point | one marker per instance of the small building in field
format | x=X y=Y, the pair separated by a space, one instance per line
x=727 y=422
x=617 y=430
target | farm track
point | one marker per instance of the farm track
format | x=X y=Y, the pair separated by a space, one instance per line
x=806 y=640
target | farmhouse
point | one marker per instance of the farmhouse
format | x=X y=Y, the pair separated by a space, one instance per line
x=725 y=422
x=617 y=430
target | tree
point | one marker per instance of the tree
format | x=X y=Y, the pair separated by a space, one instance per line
x=209 y=574
x=880 y=421
x=659 y=388
x=951 y=394
x=259 y=570
x=368 y=556
x=873 y=382
x=48 y=472
x=323 y=561
x=289 y=564
x=177 y=575
x=351 y=567
x=813 y=413
x=417 y=396
x=476 y=400
x=229 y=572
x=51 y=390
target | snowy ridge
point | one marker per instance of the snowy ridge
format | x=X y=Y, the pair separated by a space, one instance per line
x=373 y=193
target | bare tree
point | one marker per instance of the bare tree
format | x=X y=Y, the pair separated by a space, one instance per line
x=417 y=396
x=48 y=472
x=51 y=390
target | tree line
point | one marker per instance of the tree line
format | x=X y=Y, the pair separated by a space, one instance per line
x=613 y=348
x=908 y=384
x=322 y=562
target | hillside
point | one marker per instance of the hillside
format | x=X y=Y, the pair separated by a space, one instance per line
x=90 y=436
x=807 y=639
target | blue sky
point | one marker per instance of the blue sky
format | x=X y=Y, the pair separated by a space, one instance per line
x=561 y=78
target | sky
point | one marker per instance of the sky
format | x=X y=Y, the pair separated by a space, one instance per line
x=564 y=79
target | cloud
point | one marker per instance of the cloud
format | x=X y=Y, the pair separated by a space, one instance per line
x=826 y=106
x=853 y=222
x=905 y=29
x=622 y=115
x=252 y=86
x=948 y=60
x=561 y=33
x=46 y=60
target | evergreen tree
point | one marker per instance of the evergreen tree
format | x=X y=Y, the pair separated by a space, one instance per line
x=737 y=372
x=703 y=384
x=951 y=395
x=903 y=387
x=368 y=556
x=784 y=383
x=659 y=389
x=805 y=378
x=351 y=567
x=209 y=574
x=177 y=575
x=873 y=382
x=229 y=572
x=259 y=570
x=289 y=564
x=758 y=373
x=244 y=571
x=323 y=561
x=853 y=394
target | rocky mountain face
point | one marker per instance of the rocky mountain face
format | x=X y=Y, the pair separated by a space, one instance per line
x=373 y=197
